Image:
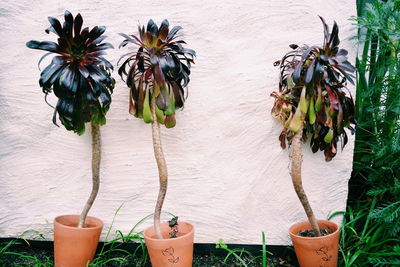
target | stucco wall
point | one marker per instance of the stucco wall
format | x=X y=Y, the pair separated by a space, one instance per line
x=228 y=174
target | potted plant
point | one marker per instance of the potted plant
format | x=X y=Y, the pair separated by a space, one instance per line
x=312 y=103
x=157 y=73
x=81 y=80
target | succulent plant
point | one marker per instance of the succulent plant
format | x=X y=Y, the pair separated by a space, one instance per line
x=312 y=84
x=78 y=74
x=312 y=100
x=157 y=74
x=159 y=69
x=81 y=80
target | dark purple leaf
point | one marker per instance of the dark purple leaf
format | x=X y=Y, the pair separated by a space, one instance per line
x=78 y=24
x=310 y=72
x=334 y=38
x=152 y=28
x=174 y=31
x=56 y=26
x=326 y=31
x=47 y=46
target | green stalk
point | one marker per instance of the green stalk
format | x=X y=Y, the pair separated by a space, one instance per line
x=264 y=251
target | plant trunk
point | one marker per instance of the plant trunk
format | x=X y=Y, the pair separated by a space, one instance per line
x=96 y=157
x=162 y=169
x=295 y=172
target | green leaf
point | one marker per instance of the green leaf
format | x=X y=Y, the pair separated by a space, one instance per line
x=171 y=108
x=303 y=101
x=160 y=115
x=147 y=116
x=329 y=136
x=311 y=112
x=170 y=121
x=295 y=123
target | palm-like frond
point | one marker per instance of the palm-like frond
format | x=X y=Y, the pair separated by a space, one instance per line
x=312 y=85
x=79 y=75
x=159 y=70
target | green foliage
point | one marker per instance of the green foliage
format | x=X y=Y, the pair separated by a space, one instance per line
x=11 y=256
x=237 y=253
x=78 y=74
x=377 y=148
x=312 y=91
x=244 y=258
x=158 y=71
x=112 y=253
x=371 y=226
x=363 y=242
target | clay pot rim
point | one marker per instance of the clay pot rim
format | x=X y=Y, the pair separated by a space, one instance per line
x=168 y=239
x=316 y=237
x=99 y=223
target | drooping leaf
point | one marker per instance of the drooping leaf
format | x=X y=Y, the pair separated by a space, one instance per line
x=329 y=136
x=303 y=101
x=318 y=103
x=170 y=121
x=160 y=115
x=147 y=116
x=310 y=72
x=296 y=122
x=311 y=112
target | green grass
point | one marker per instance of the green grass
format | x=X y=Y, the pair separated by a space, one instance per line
x=363 y=241
x=244 y=258
x=112 y=253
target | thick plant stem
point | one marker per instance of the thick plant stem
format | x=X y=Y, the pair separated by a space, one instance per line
x=162 y=169
x=96 y=157
x=295 y=172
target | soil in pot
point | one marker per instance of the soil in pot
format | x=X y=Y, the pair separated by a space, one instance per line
x=311 y=233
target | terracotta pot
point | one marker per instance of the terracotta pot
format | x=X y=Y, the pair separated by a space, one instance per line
x=74 y=247
x=171 y=252
x=316 y=251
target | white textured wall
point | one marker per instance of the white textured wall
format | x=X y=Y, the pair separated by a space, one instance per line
x=228 y=174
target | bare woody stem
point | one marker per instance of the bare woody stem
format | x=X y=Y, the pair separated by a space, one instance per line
x=96 y=157
x=295 y=172
x=162 y=169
